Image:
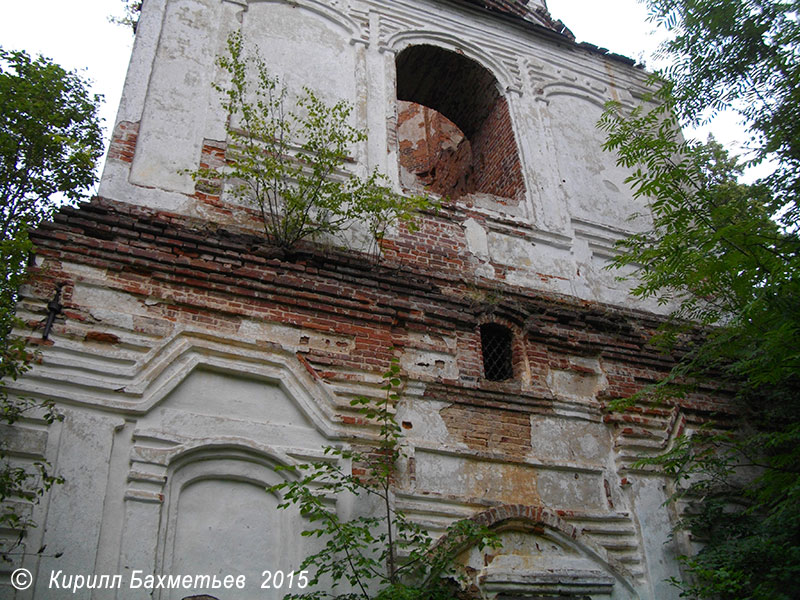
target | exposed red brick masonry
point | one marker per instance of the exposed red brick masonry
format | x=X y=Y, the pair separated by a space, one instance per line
x=214 y=278
x=123 y=142
x=435 y=150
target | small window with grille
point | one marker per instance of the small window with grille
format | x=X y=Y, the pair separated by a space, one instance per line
x=497 y=355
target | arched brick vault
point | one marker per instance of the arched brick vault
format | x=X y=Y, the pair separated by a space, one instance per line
x=468 y=95
x=538 y=519
x=500 y=516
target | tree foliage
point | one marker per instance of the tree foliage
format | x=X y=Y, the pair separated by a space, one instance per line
x=293 y=163
x=725 y=257
x=741 y=54
x=132 y=10
x=381 y=555
x=50 y=140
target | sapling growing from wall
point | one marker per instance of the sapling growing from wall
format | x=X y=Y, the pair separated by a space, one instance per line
x=293 y=163
x=383 y=555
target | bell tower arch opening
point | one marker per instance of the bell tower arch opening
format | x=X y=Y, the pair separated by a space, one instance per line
x=454 y=128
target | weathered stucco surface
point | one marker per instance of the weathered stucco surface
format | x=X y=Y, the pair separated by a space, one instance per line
x=189 y=364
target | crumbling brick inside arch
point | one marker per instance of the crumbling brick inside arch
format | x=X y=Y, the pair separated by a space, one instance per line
x=454 y=127
x=433 y=152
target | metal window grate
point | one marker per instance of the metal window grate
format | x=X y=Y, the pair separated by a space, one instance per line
x=496 y=346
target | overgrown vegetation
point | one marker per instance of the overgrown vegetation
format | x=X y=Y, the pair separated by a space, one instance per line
x=727 y=256
x=50 y=141
x=292 y=163
x=385 y=556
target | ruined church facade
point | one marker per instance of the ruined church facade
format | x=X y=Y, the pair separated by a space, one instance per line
x=188 y=363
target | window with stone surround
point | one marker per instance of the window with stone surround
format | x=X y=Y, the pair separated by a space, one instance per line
x=454 y=128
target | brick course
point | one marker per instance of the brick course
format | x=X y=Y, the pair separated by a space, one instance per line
x=215 y=279
x=123 y=141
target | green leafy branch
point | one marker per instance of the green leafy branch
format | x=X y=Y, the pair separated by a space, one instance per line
x=387 y=555
x=50 y=140
x=294 y=164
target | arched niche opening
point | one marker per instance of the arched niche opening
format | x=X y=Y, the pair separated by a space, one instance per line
x=218 y=519
x=540 y=556
x=454 y=127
